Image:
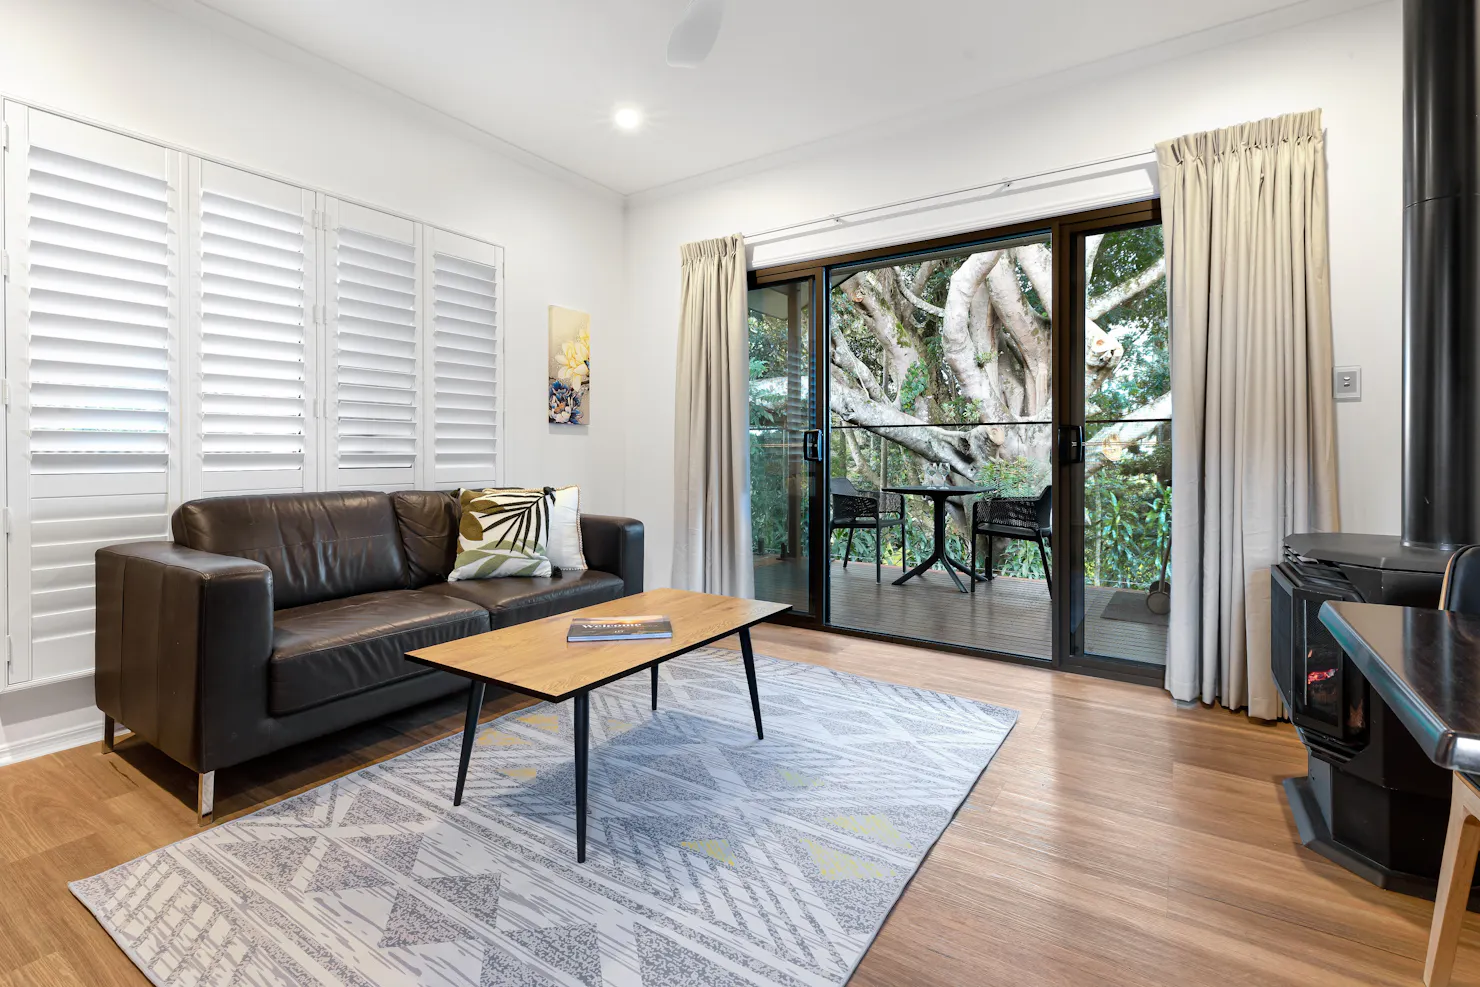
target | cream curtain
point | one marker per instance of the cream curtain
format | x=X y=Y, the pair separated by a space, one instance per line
x=1253 y=440
x=711 y=449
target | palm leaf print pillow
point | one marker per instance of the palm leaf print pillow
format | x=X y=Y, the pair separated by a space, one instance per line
x=503 y=533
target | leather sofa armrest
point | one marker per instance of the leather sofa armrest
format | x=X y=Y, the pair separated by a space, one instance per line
x=614 y=545
x=183 y=641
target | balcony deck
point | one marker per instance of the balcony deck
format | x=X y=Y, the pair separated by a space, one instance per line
x=1006 y=615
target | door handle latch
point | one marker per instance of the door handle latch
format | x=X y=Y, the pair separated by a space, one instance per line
x=1071 y=444
x=812 y=445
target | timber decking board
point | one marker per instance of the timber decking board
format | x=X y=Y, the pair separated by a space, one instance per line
x=1008 y=614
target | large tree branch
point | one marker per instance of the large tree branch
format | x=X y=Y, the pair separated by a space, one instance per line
x=1136 y=426
x=1026 y=333
x=901 y=349
x=844 y=357
x=922 y=276
x=1126 y=290
x=929 y=442
x=1091 y=251
x=1036 y=261
x=921 y=303
x=860 y=465
x=958 y=345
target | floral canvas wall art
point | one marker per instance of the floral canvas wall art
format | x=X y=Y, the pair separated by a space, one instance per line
x=569 y=395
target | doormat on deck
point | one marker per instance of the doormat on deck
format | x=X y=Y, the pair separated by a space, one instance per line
x=1130 y=605
x=714 y=858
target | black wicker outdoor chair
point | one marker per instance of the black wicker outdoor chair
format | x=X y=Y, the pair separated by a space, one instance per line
x=1022 y=518
x=865 y=510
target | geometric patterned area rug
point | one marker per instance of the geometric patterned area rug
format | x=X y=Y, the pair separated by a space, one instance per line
x=714 y=858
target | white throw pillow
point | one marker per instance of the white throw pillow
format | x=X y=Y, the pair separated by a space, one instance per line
x=564 y=547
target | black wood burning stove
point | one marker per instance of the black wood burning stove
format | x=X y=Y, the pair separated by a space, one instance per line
x=1372 y=800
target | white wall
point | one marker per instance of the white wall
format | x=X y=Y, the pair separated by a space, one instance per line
x=132 y=65
x=1348 y=65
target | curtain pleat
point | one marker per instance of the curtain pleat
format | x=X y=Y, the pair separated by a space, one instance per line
x=711 y=470
x=1253 y=444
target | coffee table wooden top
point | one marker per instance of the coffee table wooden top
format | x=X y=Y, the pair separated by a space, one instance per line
x=534 y=658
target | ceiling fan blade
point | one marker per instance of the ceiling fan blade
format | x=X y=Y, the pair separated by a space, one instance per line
x=695 y=34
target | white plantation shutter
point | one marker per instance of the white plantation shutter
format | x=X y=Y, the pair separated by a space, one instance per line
x=464 y=346
x=373 y=335
x=92 y=229
x=253 y=251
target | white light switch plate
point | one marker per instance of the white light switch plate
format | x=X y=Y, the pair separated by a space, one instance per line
x=1346 y=384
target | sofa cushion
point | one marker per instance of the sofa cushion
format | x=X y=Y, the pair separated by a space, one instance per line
x=503 y=532
x=513 y=601
x=428 y=521
x=319 y=546
x=336 y=648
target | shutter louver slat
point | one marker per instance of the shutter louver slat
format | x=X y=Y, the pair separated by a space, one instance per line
x=375 y=351
x=464 y=355
x=253 y=336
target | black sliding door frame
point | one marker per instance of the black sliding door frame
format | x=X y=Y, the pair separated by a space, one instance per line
x=817 y=531
x=1069 y=432
x=1067 y=233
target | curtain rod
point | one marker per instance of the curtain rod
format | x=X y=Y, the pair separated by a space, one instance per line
x=1001 y=183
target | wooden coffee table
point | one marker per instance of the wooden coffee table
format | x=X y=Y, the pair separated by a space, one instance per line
x=534 y=658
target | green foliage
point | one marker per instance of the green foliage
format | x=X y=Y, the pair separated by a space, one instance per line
x=914 y=385
x=769 y=486
x=1129 y=521
x=1144 y=373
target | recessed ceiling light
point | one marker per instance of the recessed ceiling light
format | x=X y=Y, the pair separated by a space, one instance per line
x=627 y=118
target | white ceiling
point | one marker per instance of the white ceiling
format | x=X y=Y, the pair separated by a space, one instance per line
x=546 y=75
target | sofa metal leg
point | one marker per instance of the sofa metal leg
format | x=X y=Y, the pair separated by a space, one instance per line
x=108 y=725
x=205 y=797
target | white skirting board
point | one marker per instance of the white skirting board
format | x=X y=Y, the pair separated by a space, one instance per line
x=50 y=743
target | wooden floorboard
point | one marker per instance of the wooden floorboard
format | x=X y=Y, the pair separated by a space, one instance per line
x=1008 y=615
x=1117 y=839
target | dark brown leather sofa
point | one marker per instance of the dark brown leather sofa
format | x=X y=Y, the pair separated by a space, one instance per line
x=273 y=619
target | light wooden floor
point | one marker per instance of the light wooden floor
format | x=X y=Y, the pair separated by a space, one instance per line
x=1117 y=839
x=1008 y=615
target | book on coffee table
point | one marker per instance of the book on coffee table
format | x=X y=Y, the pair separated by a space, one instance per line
x=645 y=628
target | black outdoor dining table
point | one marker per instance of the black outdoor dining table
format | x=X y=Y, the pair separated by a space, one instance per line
x=938 y=551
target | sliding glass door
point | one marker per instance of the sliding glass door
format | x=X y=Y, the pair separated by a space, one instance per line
x=992 y=470
x=784 y=443
x=940 y=390
x=1117 y=427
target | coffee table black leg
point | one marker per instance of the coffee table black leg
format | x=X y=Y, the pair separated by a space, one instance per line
x=655 y=687
x=470 y=732
x=582 y=730
x=748 y=656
